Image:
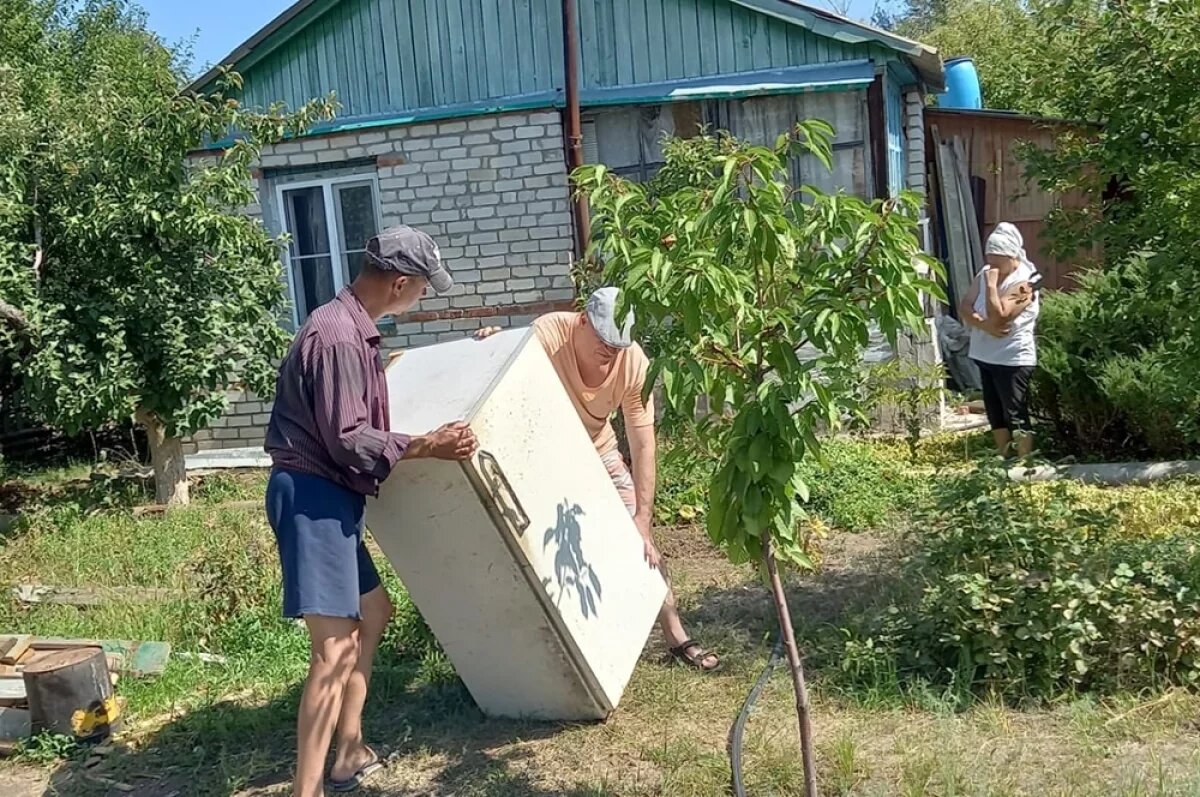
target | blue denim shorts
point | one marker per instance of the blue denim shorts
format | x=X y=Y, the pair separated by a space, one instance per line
x=319 y=528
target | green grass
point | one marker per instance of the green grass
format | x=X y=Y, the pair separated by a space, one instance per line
x=227 y=729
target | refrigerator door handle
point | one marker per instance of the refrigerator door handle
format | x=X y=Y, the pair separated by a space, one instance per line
x=493 y=474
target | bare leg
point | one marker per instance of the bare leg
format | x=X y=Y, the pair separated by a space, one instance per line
x=1003 y=438
x=1024 y=444
x=670 y=622
x=334 y=654
x=352 y=753
x=672 y=626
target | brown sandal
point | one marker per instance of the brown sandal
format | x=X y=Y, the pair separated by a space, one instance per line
x=694 y=655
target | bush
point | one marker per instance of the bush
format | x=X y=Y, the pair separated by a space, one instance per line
x=1112 y=382
x=1033 y=595
x=856 y=486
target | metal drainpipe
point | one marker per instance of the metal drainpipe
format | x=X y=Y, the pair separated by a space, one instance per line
x=573 y=123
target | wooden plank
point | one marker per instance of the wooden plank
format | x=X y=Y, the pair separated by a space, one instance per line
x=373 y=49
x=589 y=69
x=140 y=659
x=391 y=54
x=710 y=62
x=458 y=85
x=12 y=688
x=694 y=46
x=14 y=724
x=962 y=168
x=495 y=52
x=640 y=36
x=13 y=647
x=956 y=246
x=546 y=66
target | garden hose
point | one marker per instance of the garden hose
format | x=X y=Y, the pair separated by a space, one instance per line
x=739 y=725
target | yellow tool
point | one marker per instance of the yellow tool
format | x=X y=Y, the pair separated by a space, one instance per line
x=97 y=718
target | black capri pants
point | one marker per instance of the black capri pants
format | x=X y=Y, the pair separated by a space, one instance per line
x=1006 y=395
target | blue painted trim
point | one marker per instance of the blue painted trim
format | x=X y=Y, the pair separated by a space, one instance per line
x=842 y=76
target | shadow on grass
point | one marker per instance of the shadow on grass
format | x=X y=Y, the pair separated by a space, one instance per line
x=859 y=576
x=230 y=748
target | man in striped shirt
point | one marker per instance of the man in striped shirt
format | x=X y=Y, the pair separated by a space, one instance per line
x=331 y=443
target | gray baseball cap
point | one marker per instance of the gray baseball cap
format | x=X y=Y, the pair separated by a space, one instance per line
x=409 y=251
x=602 y=313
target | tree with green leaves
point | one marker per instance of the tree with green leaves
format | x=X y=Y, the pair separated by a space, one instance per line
x=732 y=272
x=1008 y=40
x=1119 y=369
x=131 y=284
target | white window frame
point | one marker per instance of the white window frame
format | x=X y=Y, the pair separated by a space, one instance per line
x=336 y=251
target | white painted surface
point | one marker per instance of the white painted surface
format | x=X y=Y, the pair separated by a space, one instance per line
x=542 y=619
x=436 y=385
x=229 y=459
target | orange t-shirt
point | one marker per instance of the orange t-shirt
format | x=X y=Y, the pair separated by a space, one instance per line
x=595 y=405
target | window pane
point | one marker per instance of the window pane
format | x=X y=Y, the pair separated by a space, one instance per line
x=314 y=277
x=352 y=264
x=306 y=221
x=356 y=213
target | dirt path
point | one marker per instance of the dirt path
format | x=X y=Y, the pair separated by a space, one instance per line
x=23 y=782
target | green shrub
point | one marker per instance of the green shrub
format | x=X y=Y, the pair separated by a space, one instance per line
x=856 y=487
x=1033 y=595
x=1112 y=381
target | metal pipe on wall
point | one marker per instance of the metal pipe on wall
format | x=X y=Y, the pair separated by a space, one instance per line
x=573 y=124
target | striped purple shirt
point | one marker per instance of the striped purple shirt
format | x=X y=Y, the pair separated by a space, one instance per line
x=331 y=405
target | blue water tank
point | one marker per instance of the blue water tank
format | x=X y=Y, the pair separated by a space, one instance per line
x=962 y=86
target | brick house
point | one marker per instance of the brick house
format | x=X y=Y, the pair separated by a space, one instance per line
x=451 y=121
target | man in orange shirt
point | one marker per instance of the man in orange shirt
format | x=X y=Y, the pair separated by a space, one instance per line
x=604 y=370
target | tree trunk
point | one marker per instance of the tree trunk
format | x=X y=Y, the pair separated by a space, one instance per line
x=166 y=456
x=807 y=756
x=71 y=693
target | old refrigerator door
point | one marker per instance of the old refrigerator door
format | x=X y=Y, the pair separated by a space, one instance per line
x=568 y=522
x=501 y=555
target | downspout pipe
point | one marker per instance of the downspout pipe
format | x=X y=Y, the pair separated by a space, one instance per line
x=573 y=123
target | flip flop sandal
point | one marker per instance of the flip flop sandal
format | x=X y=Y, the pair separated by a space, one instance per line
x=697 y=658
x=355 y=781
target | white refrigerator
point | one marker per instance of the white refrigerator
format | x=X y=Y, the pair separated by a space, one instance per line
x=524 y=561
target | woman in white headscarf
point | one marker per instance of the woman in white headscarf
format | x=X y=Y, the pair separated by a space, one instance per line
x=1001 y=310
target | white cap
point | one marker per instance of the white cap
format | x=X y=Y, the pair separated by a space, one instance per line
x=602 y=313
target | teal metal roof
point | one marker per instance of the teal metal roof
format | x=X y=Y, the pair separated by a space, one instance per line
x=409 y=59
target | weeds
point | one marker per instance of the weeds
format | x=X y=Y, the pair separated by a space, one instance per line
x=48 y=748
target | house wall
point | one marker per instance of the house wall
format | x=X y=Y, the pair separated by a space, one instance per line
x=993 y=141
x=492 y=190
x=385 y=58
x=914 y=138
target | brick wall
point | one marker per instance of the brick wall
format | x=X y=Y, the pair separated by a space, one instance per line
x=493 y=192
